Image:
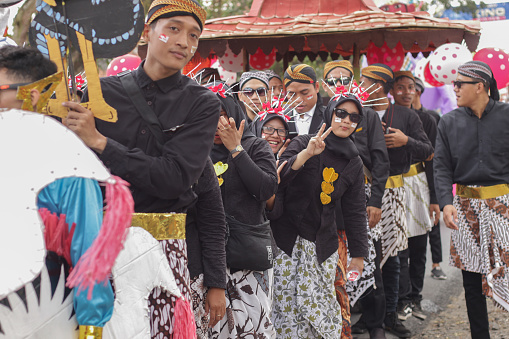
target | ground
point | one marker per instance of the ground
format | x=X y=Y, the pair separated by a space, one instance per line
x=444 y=302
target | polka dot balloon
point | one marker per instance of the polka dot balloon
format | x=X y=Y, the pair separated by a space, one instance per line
x=260 y=61
x=231 y=62
x=123 y=63
x=445 y=60
x=392 y=57
x=498 y=60
x=429 y=78
x=228 y=77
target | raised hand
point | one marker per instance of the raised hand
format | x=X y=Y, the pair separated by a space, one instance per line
x=283 y=148
x=229 y=134
x=317 y=144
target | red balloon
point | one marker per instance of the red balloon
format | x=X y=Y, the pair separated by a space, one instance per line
x=392 y=57
x=196 y=64
x=260 y=61
x=430 y=79
x=498 y=60
x=123 y=63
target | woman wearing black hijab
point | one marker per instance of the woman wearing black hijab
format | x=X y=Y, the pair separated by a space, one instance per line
x=273 y=128
x=322 y=171
x=246 y=170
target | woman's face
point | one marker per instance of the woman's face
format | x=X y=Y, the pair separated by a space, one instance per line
x=217 y=138
x=253 y=95
x=343 y=127
x=270 y=132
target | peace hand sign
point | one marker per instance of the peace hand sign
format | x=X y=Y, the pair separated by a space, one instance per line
x=316 y=145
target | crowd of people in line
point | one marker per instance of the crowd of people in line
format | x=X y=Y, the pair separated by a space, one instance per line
x=297 y=206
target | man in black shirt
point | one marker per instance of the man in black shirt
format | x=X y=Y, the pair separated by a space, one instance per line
x=421 y=206
x=472 y=151
x=435 y=241
x=405 y=140
x=162 y=159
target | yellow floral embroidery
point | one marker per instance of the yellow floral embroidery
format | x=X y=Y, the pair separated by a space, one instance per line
x=329 y=176
x=220 y=168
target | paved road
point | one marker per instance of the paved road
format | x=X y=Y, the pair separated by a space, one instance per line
x=436 y=293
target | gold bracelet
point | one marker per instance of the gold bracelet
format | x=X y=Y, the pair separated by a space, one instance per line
x=90 y=332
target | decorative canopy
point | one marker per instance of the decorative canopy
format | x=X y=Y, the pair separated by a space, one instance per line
x=330 y=26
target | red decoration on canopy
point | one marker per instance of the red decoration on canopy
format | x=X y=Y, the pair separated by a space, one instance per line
x=429 y=77
x=392 y=57
x=498 y=60
x=196 y=64
x=128 y=62
x=260 y=61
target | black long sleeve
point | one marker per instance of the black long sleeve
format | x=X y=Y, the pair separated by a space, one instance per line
x=430 y=128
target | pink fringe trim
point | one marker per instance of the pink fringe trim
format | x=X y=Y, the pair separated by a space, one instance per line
x=95 y=265
x=57 y=236
x=184 y=326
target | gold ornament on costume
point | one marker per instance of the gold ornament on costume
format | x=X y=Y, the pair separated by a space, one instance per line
x=220 y=168
x=51 y=82
x=329 y=176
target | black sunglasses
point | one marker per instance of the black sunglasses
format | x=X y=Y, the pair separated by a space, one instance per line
x=270 y=130
x=250 y=92
x=458 y=83
x=337 y=81
x=341 y=113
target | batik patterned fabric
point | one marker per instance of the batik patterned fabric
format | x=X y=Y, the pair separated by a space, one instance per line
x=392 y=225
x=305 y=304
x=481 y=244
x=376 y=232
x=340 y=285
x=248 y=306
x=417 y=205
x=355 y=289
x=198 y=297
x=160 y=303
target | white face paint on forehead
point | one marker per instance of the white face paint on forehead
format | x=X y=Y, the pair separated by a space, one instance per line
x=193 y=49
x=163 y=38
x=336 y=119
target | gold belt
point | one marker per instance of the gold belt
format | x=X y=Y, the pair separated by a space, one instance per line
x=485 y=192
x=415 y=169
x=162 y=226
x=394 y=181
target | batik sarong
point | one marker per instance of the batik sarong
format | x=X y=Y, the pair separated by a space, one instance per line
x=248 y=306
x=305 y=304
x=392 y=226
x=481 y=244
x=340 y=285
x=198 y=297
x=417 y=204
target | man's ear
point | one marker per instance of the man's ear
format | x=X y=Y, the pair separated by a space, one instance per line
x=317 y=86
x=391 y=91
x=146 y=29
x=34 y=97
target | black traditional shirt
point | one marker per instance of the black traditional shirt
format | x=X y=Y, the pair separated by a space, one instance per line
x=430 y=128
x=160 y=176
x=370 y=141
x=472 y=151
x=418 y=146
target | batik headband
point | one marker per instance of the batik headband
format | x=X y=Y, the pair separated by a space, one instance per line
x=246 y=76
x=271 y=74
x=379 y=72
x=481 y=71
x=302 y=73
x=403 y=74
x=335 y=64
x=170 y=8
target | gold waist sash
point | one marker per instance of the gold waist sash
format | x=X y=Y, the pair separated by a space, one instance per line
x=415 y=169
x=394 y=181
x=485 y=192
x=162 y=226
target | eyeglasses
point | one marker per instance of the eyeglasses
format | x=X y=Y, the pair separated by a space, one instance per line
x=12 y=86
x=250 y=92
x=337 y=81
x=270 y=130
x=341 y=113
x=458 y=83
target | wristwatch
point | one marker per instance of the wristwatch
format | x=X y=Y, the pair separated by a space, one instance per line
x=239 y=148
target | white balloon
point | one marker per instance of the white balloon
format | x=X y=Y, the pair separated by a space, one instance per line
x=232 y=62
x=445 y=60
x=228 y=77
x=419 y=71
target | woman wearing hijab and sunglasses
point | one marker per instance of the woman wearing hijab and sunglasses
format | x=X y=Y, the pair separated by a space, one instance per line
x=246 y=171
x=253 y=88
x=322 y=171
